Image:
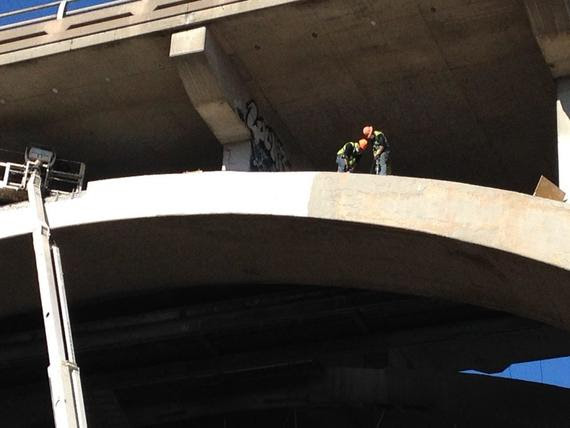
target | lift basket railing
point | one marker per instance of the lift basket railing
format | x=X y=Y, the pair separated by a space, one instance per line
x=60 y=177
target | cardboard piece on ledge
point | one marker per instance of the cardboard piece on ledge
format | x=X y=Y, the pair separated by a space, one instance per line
x=548 y=190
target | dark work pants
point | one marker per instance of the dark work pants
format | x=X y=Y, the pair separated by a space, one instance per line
x=342 y=165
x=383 y=166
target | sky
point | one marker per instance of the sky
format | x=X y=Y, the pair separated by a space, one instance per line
x=11 y=5
x=6 y=5
x=552 y=372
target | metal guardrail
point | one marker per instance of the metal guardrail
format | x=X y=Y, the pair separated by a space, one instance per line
x=61 y=7
x=14 y=175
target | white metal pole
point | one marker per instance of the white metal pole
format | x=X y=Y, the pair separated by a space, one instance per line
x=71 y=362
x=62 y=9
x=60 y=371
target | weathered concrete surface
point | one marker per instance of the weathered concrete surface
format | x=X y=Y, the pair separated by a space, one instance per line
x=563 y=122
x=550 y=21
x=211 y=90
x=481 y=246
x=223 y=101
x=205 y=90
x=461 y=88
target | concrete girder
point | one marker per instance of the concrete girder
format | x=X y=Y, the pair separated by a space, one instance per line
x=214 y=97
x=481 y=246
x=443 y=399
x=254 y=138
x=488 y=345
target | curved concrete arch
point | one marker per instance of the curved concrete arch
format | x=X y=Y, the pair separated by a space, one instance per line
x=482 y=246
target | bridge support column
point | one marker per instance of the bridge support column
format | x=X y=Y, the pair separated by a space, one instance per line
x=251 y=142
x=550 y=23
x=563 y=124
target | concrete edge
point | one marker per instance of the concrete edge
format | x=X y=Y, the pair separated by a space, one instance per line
x=519 y=224
x=170 y=23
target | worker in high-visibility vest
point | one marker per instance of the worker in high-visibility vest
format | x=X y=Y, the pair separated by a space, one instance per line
x=349 y=154
x=380 y=150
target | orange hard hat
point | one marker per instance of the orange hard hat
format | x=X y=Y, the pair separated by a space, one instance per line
x=368 y=131
x=363 y=143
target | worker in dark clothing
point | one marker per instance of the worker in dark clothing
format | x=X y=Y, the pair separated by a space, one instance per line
x=349 y=154
x=380 y=150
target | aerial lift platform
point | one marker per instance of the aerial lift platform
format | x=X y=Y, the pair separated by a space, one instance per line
x=41 y=175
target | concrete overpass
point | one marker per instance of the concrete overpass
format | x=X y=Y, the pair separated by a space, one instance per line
x=462 y=89
x=239 y=292
x=138 y=251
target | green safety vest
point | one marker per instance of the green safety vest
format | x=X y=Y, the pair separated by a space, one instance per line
x=379 y=141
x=351 y=152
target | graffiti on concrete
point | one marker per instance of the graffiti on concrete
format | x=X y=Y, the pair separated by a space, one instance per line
x=267 y=152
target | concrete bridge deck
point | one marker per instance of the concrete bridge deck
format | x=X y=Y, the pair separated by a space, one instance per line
x=461 y=89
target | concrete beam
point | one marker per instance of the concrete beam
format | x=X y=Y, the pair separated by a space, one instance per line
x=251 y=141
x=481 y=246
x=215 y=91
x=451 y=399
x=550 y=23
x=212 y=86
x=344 y=386
x=488 y=344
